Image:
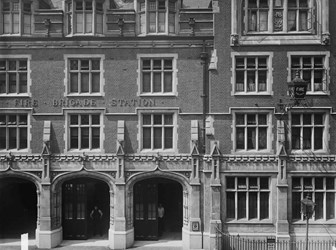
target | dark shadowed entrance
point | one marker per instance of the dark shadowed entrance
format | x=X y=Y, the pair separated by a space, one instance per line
x=147 y=195
x=18 y=208
x=79 y=198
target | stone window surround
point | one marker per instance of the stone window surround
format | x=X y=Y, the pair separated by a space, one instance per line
x=322 y=33
x=269 y=75
x=172 y=56
x=270 y=136
x=326 y=55
x=67 y=57
x=172 y=111
x=29 y=81
x=67 y=114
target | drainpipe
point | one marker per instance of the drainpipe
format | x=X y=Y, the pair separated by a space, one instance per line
x=204 y=57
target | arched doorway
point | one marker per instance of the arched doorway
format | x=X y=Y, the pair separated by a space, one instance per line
x=18 y=210
x=148 y=194
x=79 y=196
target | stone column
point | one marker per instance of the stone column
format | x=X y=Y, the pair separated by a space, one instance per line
x=119 y=237
x=325 y=22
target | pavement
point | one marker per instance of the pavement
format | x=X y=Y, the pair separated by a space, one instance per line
x=166 y=242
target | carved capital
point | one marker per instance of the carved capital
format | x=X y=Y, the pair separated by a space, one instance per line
x=326 y=38
x=234 y=40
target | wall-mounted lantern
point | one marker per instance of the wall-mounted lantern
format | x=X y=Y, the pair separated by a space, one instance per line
x=121 y=24
x=307 y=209
x=47 y=24
x=297 y=88
x=192 y=24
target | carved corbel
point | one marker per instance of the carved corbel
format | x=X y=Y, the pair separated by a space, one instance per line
x=326 y=38
x=234 y=40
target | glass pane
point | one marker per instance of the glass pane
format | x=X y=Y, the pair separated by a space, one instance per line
x=240 y=63
x=95 y=82
x=240 y=138
x=263 y=20
x=23 y=83
x=241 y=205
x=230 y=182
x=95 y=64
x=85 y=119
x=307 y=135
x=157 y=119
x=251 y=63
x=146 y=82
x=146 y=138
x=79 y=23
x=23 y=138
x=264 y=205
x=318 y=206
x=239 y=80
x=88 y=23
x=73 y=137
x=318 y=138
x=262 y=138
x=142 y=23
x=152 y=22
x=168 y=82
x=251 y=138
x=2 y=83
x=12 y=82
x=262 y=79
x=296 y=205
x=12 y=138
x=296 y=183
x=73 y=65
x=307 y=183
x=146 y=64
x=23 y=65
x=251 y=120
x=168 y=140
x=95 y=119
x=303 y=20
x=242 y=183
x=264 y=183
x=162 y=21
x=168 y=119
x=85 y=133
x=296 y=138
x=85 y=78
x=291 y=21
x=2 y=138
x=253 y=183
x=230 y=199
x=251 y=81
x=330 y=183
x=252 y=3
x=157 y=82
x=318 y=183
x=253 y=205
x=295 y=119
x=73 y=119
x=22 y=120
x=240 y=120
x=157 y=138
x=146 y=120
x=330 y=206
x=307 y=62
x=95 y=137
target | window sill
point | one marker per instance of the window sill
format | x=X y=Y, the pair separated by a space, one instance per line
x=316 y=222
x=15 y=95
x=85 y=95
x=286 y=39
x=159 y=95
x=155 y=151
x=252 y=152
x=316 y=93
x=86 y=151
x=252 y=94
x=306 y=152
x=245 y=221
x=15 y=151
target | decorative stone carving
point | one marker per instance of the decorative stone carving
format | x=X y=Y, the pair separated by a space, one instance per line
x=278 y=20
x=234 y=40
x=326 y=39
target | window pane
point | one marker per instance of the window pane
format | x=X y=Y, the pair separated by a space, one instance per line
x=2 y=138
x=240 y=138
x=79 y=23
x=146 y=138
x=263 y=182
x=307 y=138
x=12 y=138
x=230 y=196
x=296 y=205
x=307 y=183
x=88 y=23
x=73 y=119
x=23 y=138
x=251 y=81
x=162 y=21
x=330 y=205
x=23 y=83
x=252 y=205
x=330 y=183
x=318 y=183
x=152 y=22
x=95 y=82
x=74 y=138
x=230 y=182
x=85 y=119
x=3 y=83
x=318 y=206
x=239 y=80
x=303 y=20
x=251 y=138
x=291 y=21
x=95 y=137
x=12 y=82
x=157 y=82
x=157 y=137
x=146 y=82
x=85 y=138
x=264 y=205
x=157 y=119
x=168 y=82
x=241 y=205
x=263 y=20
x=146 y=120
x=85 y=83
x=95 y=119
x=168 y=119
x=262 y=138
x=168 y=138
x=74 y=82
x=318 y=138
x=296 y=138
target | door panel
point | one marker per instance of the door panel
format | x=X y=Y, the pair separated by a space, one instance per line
x=74 y=211
x=145 y=210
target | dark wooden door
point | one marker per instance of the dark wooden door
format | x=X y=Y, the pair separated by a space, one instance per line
x=145 y=210
x=74 y=211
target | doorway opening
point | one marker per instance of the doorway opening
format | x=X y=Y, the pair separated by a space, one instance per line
x=18 y=208
x=79 y=197
x=148 y=194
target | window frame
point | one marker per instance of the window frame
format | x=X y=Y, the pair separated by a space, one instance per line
x=326 y=68
x=268 y=125
x=174 y=71
x=174 y=126
x=248 y=190
x=325 y=132
x=71 y=18
x=17 y=113
x=67 y=79
x=269 y=73
x=28 y=70
x=146 y=30
x=22 y=25
x=68 y=127
x=313 y=190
